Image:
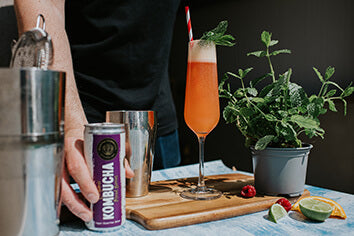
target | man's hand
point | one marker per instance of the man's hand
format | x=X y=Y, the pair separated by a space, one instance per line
x=75 y=166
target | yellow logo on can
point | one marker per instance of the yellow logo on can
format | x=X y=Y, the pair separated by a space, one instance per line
x=107 y=149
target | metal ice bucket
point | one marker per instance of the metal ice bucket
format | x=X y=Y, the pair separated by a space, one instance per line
x=31 y=150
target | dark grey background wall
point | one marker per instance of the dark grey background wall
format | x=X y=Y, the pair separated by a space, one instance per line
x=8 y=31
x=319 y=33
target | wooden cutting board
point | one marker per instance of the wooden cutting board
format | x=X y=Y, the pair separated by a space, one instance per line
x=164 y=208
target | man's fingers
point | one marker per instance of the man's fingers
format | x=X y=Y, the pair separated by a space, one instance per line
x=78 y=169
x=74 y=203
x=128 y=171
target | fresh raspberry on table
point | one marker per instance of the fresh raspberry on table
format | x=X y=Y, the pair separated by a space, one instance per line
x=285 y=203
x=248 y=191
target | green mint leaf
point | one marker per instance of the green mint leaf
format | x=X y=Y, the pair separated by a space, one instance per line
x=243 y=73
x=267 y=91
x=314 y=108
x=225 y=40
x=282 y=79
x=257 y=100
x=331 y=105
x=329 y=72
x=305 y=122
x=257 y=54
x=331 y=93
x=217 y=35
x=247 y=112
x=297 y=95
x=282 y=113
x=310 y=132
x=270 y=117
x=323 y=111
x=348 y=91
x=263 y=142
x=266 y=38
x=286 y=131
x=254 y=82
x=274 y=53
x=273 y=42
x=293 y=111
x=288 y=75
x=234 y=75
x=252 y=91
x=325 y=88
x=224 y=78
x=230 y=114
x=246 y=71
x=240 y=73
x=313 y=97
x=222 y=82
x=318 y=74
x=221 y=28
x=239 y=93
x=302 y=110
x=315 y=132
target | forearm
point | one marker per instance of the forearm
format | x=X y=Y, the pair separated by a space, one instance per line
x=54 y=14
x=75 y=166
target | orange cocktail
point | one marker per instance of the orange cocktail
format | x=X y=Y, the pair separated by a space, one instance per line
x=201 y=108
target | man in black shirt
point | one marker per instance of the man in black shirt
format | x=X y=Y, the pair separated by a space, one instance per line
x=120 y=52
x=120 y=62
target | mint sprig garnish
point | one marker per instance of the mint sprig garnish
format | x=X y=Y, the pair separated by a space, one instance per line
x=218 y=36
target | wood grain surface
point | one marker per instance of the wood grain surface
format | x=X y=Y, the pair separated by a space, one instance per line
x=164 y=208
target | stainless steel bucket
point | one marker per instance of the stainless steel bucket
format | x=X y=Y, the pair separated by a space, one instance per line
x=31 y=150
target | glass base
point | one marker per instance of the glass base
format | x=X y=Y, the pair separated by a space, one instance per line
x=201 y=194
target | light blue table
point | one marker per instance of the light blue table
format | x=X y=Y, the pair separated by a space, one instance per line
x=252 y=224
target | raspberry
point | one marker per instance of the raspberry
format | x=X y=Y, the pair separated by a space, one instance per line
x=248 y=191
x=285 y=203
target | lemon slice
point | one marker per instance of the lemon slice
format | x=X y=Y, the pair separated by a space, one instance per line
x=315 y=209
x=276 y=212
x=337 y=209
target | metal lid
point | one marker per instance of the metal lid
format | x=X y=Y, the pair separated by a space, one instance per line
x=34 y=48
x=104 y=128
x=104 y=125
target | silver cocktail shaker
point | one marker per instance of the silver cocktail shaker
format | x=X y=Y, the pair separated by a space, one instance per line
x=31 y=150
x=140 y=147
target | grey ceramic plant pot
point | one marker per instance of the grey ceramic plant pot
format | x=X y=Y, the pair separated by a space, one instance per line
x=280 y=171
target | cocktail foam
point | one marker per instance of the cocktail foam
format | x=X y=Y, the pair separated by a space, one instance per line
x=201 y=51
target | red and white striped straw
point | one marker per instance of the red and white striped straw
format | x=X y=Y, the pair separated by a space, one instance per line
x=189 y=24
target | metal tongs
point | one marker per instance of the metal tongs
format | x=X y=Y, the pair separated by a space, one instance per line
x=34 y=48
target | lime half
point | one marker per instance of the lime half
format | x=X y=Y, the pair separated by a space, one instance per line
x=315 y=209
x=276 y=212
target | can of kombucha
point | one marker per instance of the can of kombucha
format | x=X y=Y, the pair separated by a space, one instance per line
x=104 y=148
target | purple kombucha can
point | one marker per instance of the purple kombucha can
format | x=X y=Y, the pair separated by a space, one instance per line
x=104 y=147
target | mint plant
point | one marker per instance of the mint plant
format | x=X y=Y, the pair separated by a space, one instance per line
x=218 y=36
x=276 y=114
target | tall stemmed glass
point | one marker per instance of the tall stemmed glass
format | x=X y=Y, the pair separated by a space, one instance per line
x=201 y=108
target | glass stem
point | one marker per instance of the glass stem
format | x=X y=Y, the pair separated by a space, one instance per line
x=201 y=183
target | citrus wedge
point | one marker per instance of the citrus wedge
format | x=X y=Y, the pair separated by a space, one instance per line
x=315 y=209
x=276 y=212
x=337 y=209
